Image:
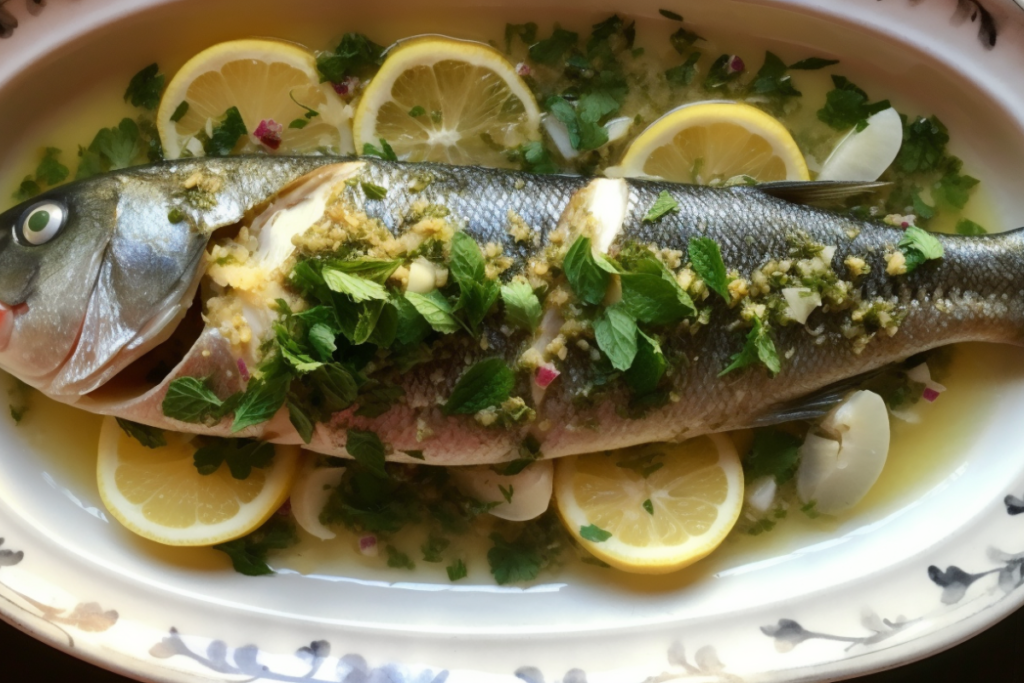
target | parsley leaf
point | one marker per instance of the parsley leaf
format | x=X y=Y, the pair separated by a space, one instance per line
x=758 y=347
x=150 y=437
x=512 y=562
x=435 y=309
x=664 y=204
x=397 y=559
x=919 y=246
x=456 y=571
x=367 y=449
x=589 y=281
x=249 y=553
x=110 y=150
x=924 y=145
x=488 y=383
x=261 y=401
x=355 y=55
x=720 y=73
x=550 y=50
x=847 y=106
x=594 y=533
x=774 y=453
x=953 y=189
x=685 y=72
x=145 y=87
x=616 y=332
x=533 y=157
x=522 y=307
x=50 y=170
x=358 y=288
x=385 y=152
x=812 y=64
x=965 y=226
x=29 y=188
x=706 y=258
x=241 y=455
x=190 y=399
x=226 y=134
x=773 y=82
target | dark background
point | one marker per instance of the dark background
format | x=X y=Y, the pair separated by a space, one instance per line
x=991 y=657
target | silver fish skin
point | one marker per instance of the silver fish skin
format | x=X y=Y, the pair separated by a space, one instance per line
x=118 y=277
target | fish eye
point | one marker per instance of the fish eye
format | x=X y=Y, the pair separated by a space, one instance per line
x=40 y=224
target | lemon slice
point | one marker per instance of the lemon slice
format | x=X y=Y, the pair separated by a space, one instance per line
x=452 y=101
x=681 y=511
x=266 y=80
x=159 y=494
x=714 y=142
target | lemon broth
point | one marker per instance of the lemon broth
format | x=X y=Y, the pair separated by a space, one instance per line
x=921 y=455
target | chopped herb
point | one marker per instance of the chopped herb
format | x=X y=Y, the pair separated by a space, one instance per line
x=616 y=334
x=17 y=412
x=486 y=384
x=433 y=548
x=374 y=191
x=507 y=493
x=529 y=452
x=669 y=14
x=360 y=289
x=847 y=106
x=190 y=399
x=226 y=134
x=241 y=456
x=525 y=32
x=809 y=509
x=301 y=420
x=110 y=150
x=50 y=170
x=647 y=368
x=706 y=258
x=355 y=55
x=758 y=347
x=682 y=40
x=919 y=246
x=456 y=571
x=310 y=112
x=721 y=73
x=176 y=216
x=953 y=189
x=29 y=188
x=645 y=463
x=921 y=209
x=367 y=449
x=180 y=111
x=685 y=72
x=550 y=50
x=262 y=399
x=150 y=437
x=533 y=157
x=385 y=152
x=589 y=281
x=145 y=87
x=812 y=64
x=773 y=82
x=522 y=307
x=418 y=455
x=249 y=553
x=654 y=299
x=398 y=559
x=581 y=121
x=435 y=309
x=594 y=533
x=965 y=226
x=664 y=204
x=299 y=124
x=924 y=145
x=774 y=453
x=417 y=111
x=513 y=562
x=648 y=506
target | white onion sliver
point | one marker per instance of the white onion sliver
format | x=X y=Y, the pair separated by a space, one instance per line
x=865 y=155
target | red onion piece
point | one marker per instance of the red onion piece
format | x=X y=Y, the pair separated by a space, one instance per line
x=269 y=133
x=523 y=69
x=546 y=374
x=243 y=370
x=286 y=508
x=347 y=86
x=736 y=64
x=368 y=545
x=929 y=394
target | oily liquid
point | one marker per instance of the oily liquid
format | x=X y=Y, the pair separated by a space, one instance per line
x=920 y=456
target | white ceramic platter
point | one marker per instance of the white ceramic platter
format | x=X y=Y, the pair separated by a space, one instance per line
x=874 y=592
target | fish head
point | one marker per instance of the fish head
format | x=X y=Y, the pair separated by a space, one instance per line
x=92 y=275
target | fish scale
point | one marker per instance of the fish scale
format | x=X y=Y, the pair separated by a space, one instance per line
x=975 y=292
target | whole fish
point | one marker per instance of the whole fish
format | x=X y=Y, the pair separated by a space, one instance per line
x=100 y=277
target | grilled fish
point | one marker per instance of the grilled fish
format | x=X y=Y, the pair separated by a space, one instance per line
x=102 y=282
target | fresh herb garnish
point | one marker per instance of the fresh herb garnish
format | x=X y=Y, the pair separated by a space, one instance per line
x=145 y=87
x=180 y=111
x=417 y=111
x=249 y=553
x=682 y=40
x=456 y=571
x=150 y=437
x=706 y=258
x=758 y=347
x=434 y=547
x=50 y=170
x=648 y=506
x=226 y=134
x=435 y=309
x=588 y=279
x=664 y=204
x=919 y=246
x=513 y=562
x=581 y=121
x=522 y=307
x=533 y=157
x=486 y=384
x=654 y=299
x=647 y=368
x=721 y=73
x=669 y=14
x=385 y=152
x=773 y=82
x=924 y=145
x=367 y=449
x=358 y=288
x=241 y=455
x=594 y=533
x=397 y=559
x=953 y=189
x=190 y=399
x=616 y=333
x=550 y=50
x=507 y=493
x=774 y=453
x=966 y=226
x=847 y=106
x=110 y=150
x=685 y=72
x=812 y=64
x=525 y=32
x=355 y=55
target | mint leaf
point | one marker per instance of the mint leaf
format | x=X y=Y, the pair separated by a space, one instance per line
x=467 y=261
x=360 y=289
x=720 y=73
x=486 y=384
x=226 y=134
x=772 y=81
x=412 y=327
x=653 y=299
x=847 y=106
x=661 y=206
x=301 y=420
x=322 y=339
x=616 y=334
x=150 y=437
x=476 y=300
x=594 y=533
x=774 y=453
x=145 y=87
x=588 y=280
x=377 y=270
x=707 y=262
x=367 y=449
x=241 y=456
x=261 y=401
x=562 y=110
x=812 y=64
x=966 y=226
x=758 y=347
x=29 y=188
x=522 y=307
x=249 y=553
x=647 y=368
x=376 y=398
x=435 y=309
x=189 y=399
x=550 y=50
x=513 y=562
x=456 y=571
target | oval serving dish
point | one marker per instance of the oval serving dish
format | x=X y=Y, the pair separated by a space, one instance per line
x=870 y=592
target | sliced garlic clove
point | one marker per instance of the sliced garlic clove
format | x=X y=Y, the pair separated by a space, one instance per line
x=422 y=276
x=760 y=493
x=800 y=302
x=530 y=490
x=864 y=155
x=313 y=486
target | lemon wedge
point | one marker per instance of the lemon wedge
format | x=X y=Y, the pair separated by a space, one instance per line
x=159 y=494
x=655 y=508
x=714 y=142
x=446 y=100
x=273 y=84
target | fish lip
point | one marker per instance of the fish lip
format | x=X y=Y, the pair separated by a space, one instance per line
x=7 y=316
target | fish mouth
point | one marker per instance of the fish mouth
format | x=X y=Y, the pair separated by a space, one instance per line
x=7 y=316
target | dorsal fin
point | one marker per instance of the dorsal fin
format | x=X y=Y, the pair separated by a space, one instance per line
x=819 y=192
